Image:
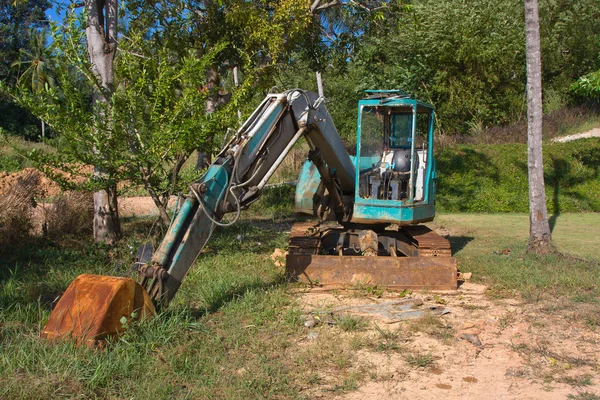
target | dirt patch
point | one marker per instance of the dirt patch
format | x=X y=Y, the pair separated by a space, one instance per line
x=589 y=134
x=48 y=187
x=141 y=206
x=526 y=351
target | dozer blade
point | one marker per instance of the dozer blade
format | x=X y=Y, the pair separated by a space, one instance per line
x=93 y=306
x=429 y=265
x=419 y=273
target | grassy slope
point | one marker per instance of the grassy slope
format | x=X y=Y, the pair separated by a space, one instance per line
x=493 y=178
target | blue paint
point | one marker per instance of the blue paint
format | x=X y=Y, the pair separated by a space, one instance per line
x=373 y=210
x=175 y=231
x=264 y=129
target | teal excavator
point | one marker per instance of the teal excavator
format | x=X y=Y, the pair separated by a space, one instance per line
x=368 y=208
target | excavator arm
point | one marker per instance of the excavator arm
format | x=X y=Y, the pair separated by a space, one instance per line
x=238 y=176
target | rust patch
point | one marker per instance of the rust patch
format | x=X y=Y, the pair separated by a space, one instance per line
x=93 y=306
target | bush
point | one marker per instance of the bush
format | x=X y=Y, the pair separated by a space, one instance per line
x=71 y=214
x=17 y=205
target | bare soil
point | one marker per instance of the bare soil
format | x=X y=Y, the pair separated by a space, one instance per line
x=545 y=350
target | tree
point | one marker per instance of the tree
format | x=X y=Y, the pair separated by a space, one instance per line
x=37 y=68
x=540 y=236
x=144 y=123
x=17 y=20
x=101 y=34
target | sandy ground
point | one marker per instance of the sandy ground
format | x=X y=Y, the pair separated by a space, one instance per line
x=140 y=206
x=527 y=351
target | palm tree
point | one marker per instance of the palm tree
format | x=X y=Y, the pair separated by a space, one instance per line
x=540 y=236
x=37 y=73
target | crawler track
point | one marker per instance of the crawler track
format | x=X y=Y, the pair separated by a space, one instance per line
x=427 y=265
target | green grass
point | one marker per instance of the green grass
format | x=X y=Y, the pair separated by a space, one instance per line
x=493 y=178
x=11 y=160
x=224 y=336
x=478 y=241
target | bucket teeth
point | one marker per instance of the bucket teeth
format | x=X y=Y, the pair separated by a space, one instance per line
x=95 y=307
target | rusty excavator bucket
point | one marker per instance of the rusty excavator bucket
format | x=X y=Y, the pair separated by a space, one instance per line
x=95 y=307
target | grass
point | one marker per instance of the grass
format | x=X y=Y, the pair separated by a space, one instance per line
x=235 y=330
x=232 y=315
x=478 y=241
x=350 y=323
x=419 y=359
x=12 y=161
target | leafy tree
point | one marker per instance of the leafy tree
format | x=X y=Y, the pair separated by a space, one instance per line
x=17 y=19
x=153 y=111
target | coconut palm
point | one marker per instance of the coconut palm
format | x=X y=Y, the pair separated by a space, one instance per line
x=36 y=65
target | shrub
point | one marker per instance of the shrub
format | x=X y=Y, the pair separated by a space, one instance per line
x=17 y=205
x=71 y=213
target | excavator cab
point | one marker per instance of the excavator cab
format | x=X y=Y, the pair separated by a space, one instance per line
x=394 y=160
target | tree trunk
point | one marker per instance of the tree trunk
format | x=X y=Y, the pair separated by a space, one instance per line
x=236 y=82
x=319 y=84
x=107 y=226
x=539 y=229
x=101 y=33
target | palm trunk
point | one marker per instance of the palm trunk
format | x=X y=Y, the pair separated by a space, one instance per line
x=539 y=229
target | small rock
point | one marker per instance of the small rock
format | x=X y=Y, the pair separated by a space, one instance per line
x=310 y=322
x=313 y=335
x=471 y=338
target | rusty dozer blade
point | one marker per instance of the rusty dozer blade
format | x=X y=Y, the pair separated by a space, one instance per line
x=418 y=273
x=93 y=306
x=422 y=259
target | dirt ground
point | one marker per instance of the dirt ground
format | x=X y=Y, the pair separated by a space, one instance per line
x=526 y=351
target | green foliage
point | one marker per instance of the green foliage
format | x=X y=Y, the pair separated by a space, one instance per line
x=465 y=57
x=493 y=178
x=17 y=20
x=226 y=334
x=587 y=88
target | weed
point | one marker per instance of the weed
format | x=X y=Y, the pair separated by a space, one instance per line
x=387 y=340
x=366 y=289
x=349 y=323
x=71 y=213
x=578 y=381
x=418 y=359
x=432 y=326
x=506 y=320
x=584 y=396
x=16 y=210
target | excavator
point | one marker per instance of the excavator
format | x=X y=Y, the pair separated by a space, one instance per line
x=369 y=210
